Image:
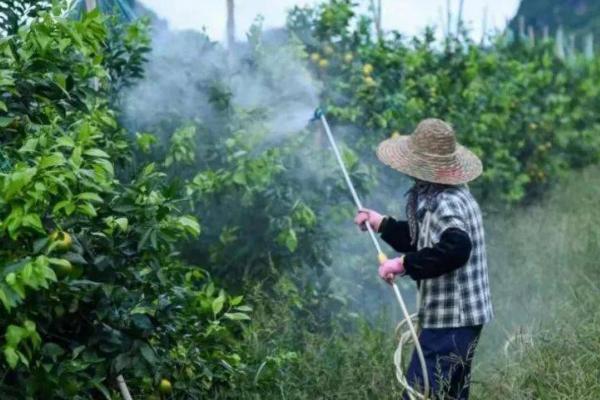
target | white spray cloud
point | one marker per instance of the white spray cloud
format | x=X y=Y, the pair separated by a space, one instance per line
x=184 y=64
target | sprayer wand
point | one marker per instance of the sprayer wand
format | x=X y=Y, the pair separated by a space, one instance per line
x=321 y=116
x=408 y=319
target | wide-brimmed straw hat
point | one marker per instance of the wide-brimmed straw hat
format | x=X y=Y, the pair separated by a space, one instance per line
x=431 y=153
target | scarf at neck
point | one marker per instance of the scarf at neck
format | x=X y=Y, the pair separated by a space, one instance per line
x=429 y=193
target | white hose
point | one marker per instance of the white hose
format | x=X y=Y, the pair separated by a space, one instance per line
x=406 y=331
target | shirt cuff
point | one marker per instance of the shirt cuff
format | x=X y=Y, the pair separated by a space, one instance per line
x=383 y=224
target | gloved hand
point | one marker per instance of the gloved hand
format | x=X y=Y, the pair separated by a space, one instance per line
x=368 y=216
x=390 y=268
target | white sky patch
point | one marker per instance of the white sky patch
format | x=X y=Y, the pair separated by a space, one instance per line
x=407 y=16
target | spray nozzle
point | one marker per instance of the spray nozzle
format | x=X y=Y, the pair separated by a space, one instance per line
x=318 y=114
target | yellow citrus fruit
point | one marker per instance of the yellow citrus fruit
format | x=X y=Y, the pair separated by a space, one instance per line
x=165 y=387
x=368 y=69
x=63 y=240
x=315 y=57
x=348 y=57
x=369 y=81
x=328 y=50
x=395 y=135
x=323 y=63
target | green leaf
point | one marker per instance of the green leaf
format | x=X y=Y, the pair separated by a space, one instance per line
x=291 y=240
x=236 y=300
x=106 y=165
x=29 y=327
x=52 y=160
x=148 y=354
x=123 y=223
x=190 y=224
x=11 y=356
x=5 y=121
x=33 y=221
x=52 y=350
x=145 y=141
x=237 y=316
x=17 y=180
x=29 y=146
x=87 y=209
x=60 y=262
x=76 y=159
x=103 y=389
x=5 y=300
x=143 y=310
x=14 y=335
x=90 y=197
x=142 y=322
x=96 y=153
x=77 y=351
x=217 y=304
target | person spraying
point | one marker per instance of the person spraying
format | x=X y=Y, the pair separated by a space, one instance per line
x=443 y=245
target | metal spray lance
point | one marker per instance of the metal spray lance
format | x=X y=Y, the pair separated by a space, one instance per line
x=412 y=332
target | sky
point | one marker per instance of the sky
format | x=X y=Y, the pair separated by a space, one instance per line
x=407 y=16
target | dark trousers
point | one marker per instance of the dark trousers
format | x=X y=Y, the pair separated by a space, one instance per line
x=448 y=354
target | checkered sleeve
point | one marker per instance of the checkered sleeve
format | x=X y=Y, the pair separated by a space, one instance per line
x=450 y=213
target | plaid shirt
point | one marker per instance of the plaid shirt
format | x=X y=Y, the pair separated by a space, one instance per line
x=462 y=297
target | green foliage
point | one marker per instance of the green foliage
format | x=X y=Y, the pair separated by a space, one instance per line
x=348 y=358
x=15 y=13
x=510 y=102
x=90 y=280
x=125 y=53
x=259 y=192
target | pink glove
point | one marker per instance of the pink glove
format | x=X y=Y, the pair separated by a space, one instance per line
x=389 y=269
x=368 y=216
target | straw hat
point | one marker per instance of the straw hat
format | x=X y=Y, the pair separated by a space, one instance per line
x=431 y=153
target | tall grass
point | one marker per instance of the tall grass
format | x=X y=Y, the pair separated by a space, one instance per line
x=545 y=267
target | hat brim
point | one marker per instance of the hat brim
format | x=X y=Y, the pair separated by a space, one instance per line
x=462 y=167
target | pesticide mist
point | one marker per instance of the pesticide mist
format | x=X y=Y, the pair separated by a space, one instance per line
x=186 y=71
x=188 y=77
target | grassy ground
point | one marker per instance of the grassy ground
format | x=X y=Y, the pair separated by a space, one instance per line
x=543 y=344
x=545 y=267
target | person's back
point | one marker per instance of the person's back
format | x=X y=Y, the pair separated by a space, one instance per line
x=460 y=297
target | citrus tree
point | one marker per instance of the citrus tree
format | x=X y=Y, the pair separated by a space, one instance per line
x=91 y=284
x=510 y=101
